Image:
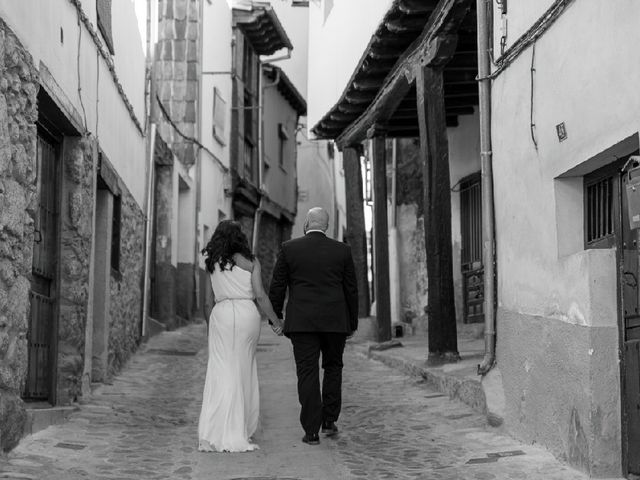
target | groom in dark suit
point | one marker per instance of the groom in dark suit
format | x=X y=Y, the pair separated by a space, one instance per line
x=322 y=311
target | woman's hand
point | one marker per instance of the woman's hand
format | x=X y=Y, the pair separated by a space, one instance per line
x=276 y=326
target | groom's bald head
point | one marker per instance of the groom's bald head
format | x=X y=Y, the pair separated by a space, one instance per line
x=317 y=219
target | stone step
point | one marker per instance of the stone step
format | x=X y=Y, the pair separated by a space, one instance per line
x=39 y=418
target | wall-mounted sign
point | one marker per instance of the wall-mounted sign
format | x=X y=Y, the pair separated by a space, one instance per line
x=561 y=130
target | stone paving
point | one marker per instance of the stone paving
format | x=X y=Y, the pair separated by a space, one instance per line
x=143 y=426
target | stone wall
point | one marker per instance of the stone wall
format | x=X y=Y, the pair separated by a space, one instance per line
x=126 y=288
x=177 y=73
x=76 y=218
x=18 y=114
x=164 y=288
x=185 y=290
x=272 y=233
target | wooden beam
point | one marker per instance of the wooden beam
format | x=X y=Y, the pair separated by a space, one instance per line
x=356 y=230
x=434 y=46
x=403 y=25
x=381 y=237
x=359 y=97
x=368 y=83
x=434 y=154
x=416 y=6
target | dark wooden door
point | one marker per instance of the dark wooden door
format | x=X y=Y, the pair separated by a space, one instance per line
x=607 y=226
x=471 y=242
x=631 y=335
x=42 y=322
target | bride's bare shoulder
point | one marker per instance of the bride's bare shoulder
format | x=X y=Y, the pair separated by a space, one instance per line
x=243 y=262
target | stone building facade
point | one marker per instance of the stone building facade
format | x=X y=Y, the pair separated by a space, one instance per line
x=71 y=223
x=18 y=115
x=177 y=72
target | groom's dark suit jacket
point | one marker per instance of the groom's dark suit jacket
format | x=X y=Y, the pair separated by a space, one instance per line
x=323 y=292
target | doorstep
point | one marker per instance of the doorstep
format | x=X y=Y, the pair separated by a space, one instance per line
x=41 y=416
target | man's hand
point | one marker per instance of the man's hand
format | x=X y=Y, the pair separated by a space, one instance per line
x=277 y=326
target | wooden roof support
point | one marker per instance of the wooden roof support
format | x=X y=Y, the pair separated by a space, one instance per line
x=434 y=155
x=381 y=232
x=356 y=230
x=435 y=46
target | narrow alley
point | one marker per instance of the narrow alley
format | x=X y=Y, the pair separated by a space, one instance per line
x=142 y=426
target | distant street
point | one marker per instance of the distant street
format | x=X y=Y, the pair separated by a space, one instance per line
x=143 y=426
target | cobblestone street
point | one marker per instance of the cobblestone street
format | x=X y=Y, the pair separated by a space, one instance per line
x=143 y=426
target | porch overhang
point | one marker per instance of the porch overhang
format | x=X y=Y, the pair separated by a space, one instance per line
x=259 y=22
x=381 y=91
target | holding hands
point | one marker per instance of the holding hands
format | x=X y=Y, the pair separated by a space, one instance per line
x=276 y=325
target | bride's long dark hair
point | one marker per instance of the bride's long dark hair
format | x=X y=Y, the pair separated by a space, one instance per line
x=227 y=240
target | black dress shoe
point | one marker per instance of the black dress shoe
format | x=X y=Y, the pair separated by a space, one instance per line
x=311 y=439
x=329 y=429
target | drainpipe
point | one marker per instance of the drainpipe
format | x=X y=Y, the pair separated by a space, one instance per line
x=262 y=191
x=394 y=264
x=484 y=10
x=150 y=171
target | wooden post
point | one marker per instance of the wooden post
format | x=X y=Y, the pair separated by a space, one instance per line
x=356 y=233
x=381 y=232
x=434 y=153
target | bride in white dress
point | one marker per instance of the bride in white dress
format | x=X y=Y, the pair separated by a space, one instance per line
x=231 y=399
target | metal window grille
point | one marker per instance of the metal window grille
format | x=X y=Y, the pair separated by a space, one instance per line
x=599 y=210
x=471 y=222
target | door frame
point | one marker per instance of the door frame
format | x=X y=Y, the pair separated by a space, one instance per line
x=48 y=131
x=616 y=240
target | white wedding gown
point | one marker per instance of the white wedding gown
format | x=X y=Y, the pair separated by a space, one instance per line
x=231 y=400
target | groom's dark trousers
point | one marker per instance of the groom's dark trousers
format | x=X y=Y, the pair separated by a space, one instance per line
x=322 y=310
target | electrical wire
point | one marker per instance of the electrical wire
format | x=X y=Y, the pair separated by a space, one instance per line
x=536 y=31
x=84 y=112
x=200 y=146
x=533 y=71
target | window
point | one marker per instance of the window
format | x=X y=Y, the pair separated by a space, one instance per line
x=600 y=191
x=103 y=8
x=219 y=116
x=115 y=233
x=283 y=136
x=248 y=61
x=599 y=214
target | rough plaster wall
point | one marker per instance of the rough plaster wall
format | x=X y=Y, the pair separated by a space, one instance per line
x=561 y=385
x=164 y=307
x=18 y=114
x=126 y=289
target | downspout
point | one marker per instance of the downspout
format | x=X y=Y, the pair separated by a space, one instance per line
x=394 y=265
x=150 y=171
x=484 y=18
x=262 y=191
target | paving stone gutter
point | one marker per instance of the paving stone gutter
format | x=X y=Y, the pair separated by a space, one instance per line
x=459 y=381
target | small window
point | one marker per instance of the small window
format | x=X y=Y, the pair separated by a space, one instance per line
x=219 y=116
x=600 y=190
x=115 y=233
x=103 y=8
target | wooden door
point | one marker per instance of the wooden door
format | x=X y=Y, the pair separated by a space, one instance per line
x=631 y=336
x=42 y=322
x=471 y=256
x=607 y=226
